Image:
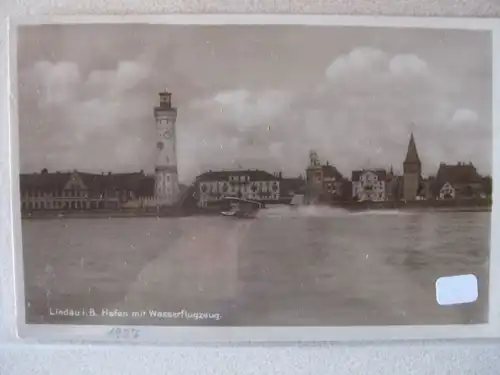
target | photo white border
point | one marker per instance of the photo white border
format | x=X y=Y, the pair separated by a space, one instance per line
x=247 y=335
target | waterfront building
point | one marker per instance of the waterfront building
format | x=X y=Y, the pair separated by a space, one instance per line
x=459 y=181
x=333 y=183
x=393 y=189
x=324 y=183
x=426 y=190
x=412 y=172
x=346 y=195
x=212 y=186
x=166 y=174
x=291 y=186
x=369 y=185
x=82 y=191
x=314 y=178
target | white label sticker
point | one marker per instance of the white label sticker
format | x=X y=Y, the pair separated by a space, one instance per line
x=454 y=290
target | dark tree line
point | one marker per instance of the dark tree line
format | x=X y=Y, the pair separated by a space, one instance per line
x=488 y=185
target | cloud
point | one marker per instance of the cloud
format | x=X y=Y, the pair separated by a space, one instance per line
x=126 y=77
x=372 y=65
x=362 y=60
x=55 y=84
x=375 y=99
x=93 y=121
x=408 y=65
x=232 y=129
x=370 y=102
x=358 y=114
x=243 y=109
x=464 y=116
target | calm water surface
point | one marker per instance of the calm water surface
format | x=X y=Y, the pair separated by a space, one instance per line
x=289 y=267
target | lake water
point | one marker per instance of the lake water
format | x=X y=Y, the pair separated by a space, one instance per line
x=310 y=266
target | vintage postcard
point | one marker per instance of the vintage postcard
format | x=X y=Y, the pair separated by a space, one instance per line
x=250 y=175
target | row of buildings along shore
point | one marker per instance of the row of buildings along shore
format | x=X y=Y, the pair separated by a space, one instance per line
x=320 y=182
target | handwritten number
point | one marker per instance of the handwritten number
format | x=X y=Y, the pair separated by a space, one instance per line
x=124 y=333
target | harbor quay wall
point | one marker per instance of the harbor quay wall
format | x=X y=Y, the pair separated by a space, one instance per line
x=452 y=204
x=118 y=213
x=177 y=211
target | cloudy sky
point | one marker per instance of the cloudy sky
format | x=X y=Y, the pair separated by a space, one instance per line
x=253 y=97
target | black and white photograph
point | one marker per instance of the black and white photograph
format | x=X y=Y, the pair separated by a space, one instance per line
x=248 y=175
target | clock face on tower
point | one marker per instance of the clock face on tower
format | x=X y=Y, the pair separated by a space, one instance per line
x=167 y=134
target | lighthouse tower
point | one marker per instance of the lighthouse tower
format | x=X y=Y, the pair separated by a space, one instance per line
x=166 y=178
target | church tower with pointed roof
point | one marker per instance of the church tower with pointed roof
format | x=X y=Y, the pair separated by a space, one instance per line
x=412 y=168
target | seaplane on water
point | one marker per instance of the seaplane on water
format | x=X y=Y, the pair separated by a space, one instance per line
x=241 y=208
x=297 y=200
